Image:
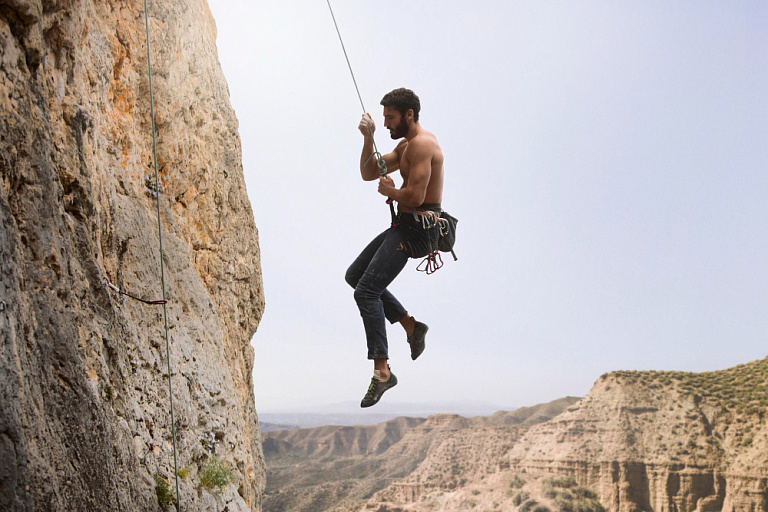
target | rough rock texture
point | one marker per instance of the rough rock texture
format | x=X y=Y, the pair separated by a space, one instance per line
x=662 y=441
x=84 y=402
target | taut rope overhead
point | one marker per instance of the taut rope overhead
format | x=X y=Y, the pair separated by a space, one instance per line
x=379 y=159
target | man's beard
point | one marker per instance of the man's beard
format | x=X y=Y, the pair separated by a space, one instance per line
x=401 y=130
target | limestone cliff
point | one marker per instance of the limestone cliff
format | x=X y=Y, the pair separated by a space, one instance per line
x=662 y=441
x=84 y=405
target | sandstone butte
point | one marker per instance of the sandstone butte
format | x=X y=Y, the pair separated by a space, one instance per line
x=662 y=441
x=84 y=405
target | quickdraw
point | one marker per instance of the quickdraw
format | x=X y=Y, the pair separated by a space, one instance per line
x=431 y=264
x=431 y=220
x=118 y=290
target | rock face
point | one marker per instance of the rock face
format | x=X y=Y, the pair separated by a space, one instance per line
x=662 y=441
x=84 y=401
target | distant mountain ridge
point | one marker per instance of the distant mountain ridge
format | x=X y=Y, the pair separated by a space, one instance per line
x=349 y=413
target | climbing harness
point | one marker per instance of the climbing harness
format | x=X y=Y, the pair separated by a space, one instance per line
x=121 y=292
x=379 y=159
x=438 y=233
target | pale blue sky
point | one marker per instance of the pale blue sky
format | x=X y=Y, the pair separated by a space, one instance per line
x=607 y=161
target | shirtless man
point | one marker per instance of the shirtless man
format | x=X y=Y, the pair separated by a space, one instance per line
x=419 y=159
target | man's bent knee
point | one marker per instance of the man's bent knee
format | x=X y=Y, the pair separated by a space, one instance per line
x=363 y=294
x=351 y=277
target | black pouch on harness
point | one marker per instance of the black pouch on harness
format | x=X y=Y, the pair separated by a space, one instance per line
x=417 y=242
x=448 y=235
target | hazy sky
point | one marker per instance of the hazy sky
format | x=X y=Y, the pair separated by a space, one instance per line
x=607 y=161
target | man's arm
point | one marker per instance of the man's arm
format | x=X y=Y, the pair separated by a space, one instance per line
x=413 y=192
x=369 y=167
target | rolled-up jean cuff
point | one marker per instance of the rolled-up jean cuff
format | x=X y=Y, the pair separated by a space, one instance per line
x=396 y=320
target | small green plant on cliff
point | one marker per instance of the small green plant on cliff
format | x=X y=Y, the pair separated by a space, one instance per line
x=154 y=187
x=564 y=482
x=109 y=391
x=569 y=496
x=517 y=482
x=578 y=499
x=208 y=441
x=215 y=474
x=520 y=497
x=584 y=493
x=165 y=496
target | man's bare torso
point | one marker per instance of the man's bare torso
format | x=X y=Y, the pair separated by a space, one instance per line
x=427 y=142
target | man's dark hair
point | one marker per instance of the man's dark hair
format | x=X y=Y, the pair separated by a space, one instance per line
x=403 y=99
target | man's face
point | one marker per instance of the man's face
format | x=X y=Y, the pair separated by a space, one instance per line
x=395 y=122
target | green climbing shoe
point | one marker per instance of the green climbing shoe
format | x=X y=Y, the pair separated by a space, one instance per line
x=376 y=389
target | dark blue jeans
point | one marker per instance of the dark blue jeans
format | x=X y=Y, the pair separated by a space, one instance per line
x=370 y=274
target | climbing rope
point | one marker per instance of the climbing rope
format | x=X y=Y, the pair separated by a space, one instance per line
x=162 y=271
x=433 y=261
x=380 y=161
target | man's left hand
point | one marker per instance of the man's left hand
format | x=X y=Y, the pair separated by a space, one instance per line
x=386 y=186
